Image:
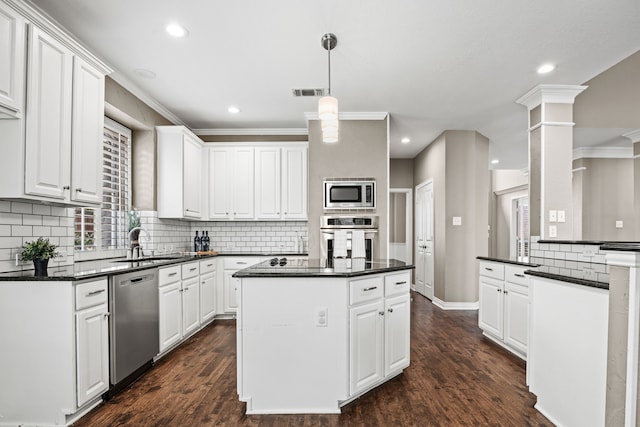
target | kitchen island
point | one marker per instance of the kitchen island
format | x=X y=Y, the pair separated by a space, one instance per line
x=312 y=337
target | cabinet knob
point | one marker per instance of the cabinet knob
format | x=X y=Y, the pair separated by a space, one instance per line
x=390 y=310
x=106 y=315
x=499 y=290
x=66 y=187
x=78 y=190
x=505 y=292
x=381 y=313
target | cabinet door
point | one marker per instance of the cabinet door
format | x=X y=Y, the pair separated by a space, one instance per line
x=207 y=296
x=12 y=62
x=170 y=313
x=516 y=322
x=219 y=182
x=92 y=353
x=87 y=133
x=230 y=292
x=192 y=179
x=366 y=345
x=294 y=183
x=242 y=185
x=267 y=183
x=490 y=315
x=190 y=305
x=48 y=117
x=396 y=333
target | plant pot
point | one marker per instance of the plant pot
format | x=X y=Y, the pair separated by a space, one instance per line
x=40 y=267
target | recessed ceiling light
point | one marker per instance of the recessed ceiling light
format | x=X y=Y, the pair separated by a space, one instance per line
x=495 y=161
x=546 y=68
x=144 y=73
x=176 y=30
x=405 y=140
x=233 y=110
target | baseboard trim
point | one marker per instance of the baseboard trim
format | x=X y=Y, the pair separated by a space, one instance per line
x=446 y=305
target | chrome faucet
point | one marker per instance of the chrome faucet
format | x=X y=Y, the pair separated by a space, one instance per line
x=136 y=250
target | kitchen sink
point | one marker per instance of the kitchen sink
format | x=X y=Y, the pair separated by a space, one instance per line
x=150 y=258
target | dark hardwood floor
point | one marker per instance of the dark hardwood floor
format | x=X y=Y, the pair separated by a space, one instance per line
x=456 y=377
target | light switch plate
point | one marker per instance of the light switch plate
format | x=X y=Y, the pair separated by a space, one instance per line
x=619 y=224
x=553 y=216
x=553 y=231
x=457 y=220
x=561 y=216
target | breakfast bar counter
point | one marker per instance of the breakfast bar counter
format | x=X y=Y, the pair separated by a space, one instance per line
x=312 y=337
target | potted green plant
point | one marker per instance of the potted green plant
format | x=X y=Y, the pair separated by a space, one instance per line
x=39 y=251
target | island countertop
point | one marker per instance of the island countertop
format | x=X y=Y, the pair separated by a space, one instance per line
x=283 y=267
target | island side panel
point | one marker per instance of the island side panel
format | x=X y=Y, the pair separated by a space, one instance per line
x=287 y=363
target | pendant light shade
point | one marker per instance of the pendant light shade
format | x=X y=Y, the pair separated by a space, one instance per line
x=328 y=105
x=328 y=108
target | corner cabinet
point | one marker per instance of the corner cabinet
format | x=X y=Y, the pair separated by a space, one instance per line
x=52 y=152
x=281 y=183
x=179 y=173
x=504 y=305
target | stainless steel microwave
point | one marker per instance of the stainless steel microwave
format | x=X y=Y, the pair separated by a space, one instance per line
x=349 y=194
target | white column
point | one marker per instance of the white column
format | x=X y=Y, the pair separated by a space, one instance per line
x=634 y=136
x=551 y=124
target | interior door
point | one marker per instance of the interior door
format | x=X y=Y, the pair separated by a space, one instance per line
x=424 y=239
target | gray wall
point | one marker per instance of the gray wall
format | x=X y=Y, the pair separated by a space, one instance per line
x=457 y=163
x=362 y=151
x=606 y=192
x=401 y=173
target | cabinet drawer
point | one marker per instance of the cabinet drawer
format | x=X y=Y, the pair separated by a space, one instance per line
x=208 y=265
x=492 y=269
x=397 y=283
x=91 y=293
x=238 y=263
x=191 y=269
x=169 y=275
x=365 y=289
x=515 y=274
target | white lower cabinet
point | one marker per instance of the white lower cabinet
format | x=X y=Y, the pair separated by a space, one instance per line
x=504 y=305
x=179 y=303
x=55 y=359
x=379 y=340
x=230 y=284
x=208 y=298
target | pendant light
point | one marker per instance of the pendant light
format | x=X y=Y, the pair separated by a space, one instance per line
x=328 y=105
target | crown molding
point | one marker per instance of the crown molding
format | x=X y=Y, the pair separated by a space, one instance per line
x=634 y=135
x=254 y=131
x=153 y=103
x=372 y=115
x=603 y=153
x=553 y=94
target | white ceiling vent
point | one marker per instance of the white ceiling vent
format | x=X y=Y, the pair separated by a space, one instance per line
x=308 y=92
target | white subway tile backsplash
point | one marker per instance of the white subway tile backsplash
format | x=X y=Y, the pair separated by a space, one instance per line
x=41 y=209
x=18 y=207
x=10 y=218
x=21 y=230
x=5 y=206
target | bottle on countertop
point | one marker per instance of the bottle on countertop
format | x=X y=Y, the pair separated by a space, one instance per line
x=197 y=243
x=205 y=241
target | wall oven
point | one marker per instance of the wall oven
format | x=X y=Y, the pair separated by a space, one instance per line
x=347 y=225
x=349 y=194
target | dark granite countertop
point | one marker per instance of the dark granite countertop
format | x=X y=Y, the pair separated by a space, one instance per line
x=319 y=268
x=583 y=282
x=108 y=267
x=507 y=261
x=621 y=246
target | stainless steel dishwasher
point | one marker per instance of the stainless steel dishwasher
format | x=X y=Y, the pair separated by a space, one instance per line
x=133 y=328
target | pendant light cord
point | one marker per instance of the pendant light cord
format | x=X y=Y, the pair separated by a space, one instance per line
x=329 y=54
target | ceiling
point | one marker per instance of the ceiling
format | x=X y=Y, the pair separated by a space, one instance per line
x=433 y=65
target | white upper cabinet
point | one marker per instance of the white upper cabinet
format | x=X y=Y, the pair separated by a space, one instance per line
x=52 y=145
x=87 y=128
x=231 y=182
x=48 y=117
x=281 y=183
x=179 y=173
x=12 y=62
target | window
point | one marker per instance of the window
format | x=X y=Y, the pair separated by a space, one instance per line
x=106 y=228
x=522 y=228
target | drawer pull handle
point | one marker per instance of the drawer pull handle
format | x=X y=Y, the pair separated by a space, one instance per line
x=518 y=275
x=209 y=265
x=193 y=269
x=241 y=263
x=369 y=289
x=404 y=282
x=173 y=274
x=99 y=291
x=488 y=269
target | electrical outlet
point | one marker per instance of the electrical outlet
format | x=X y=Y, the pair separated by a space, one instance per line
x=619 y=224
x=321 y=317
x=457 y=220
x=553 y=231
x=553 y=216
x=562 y=216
